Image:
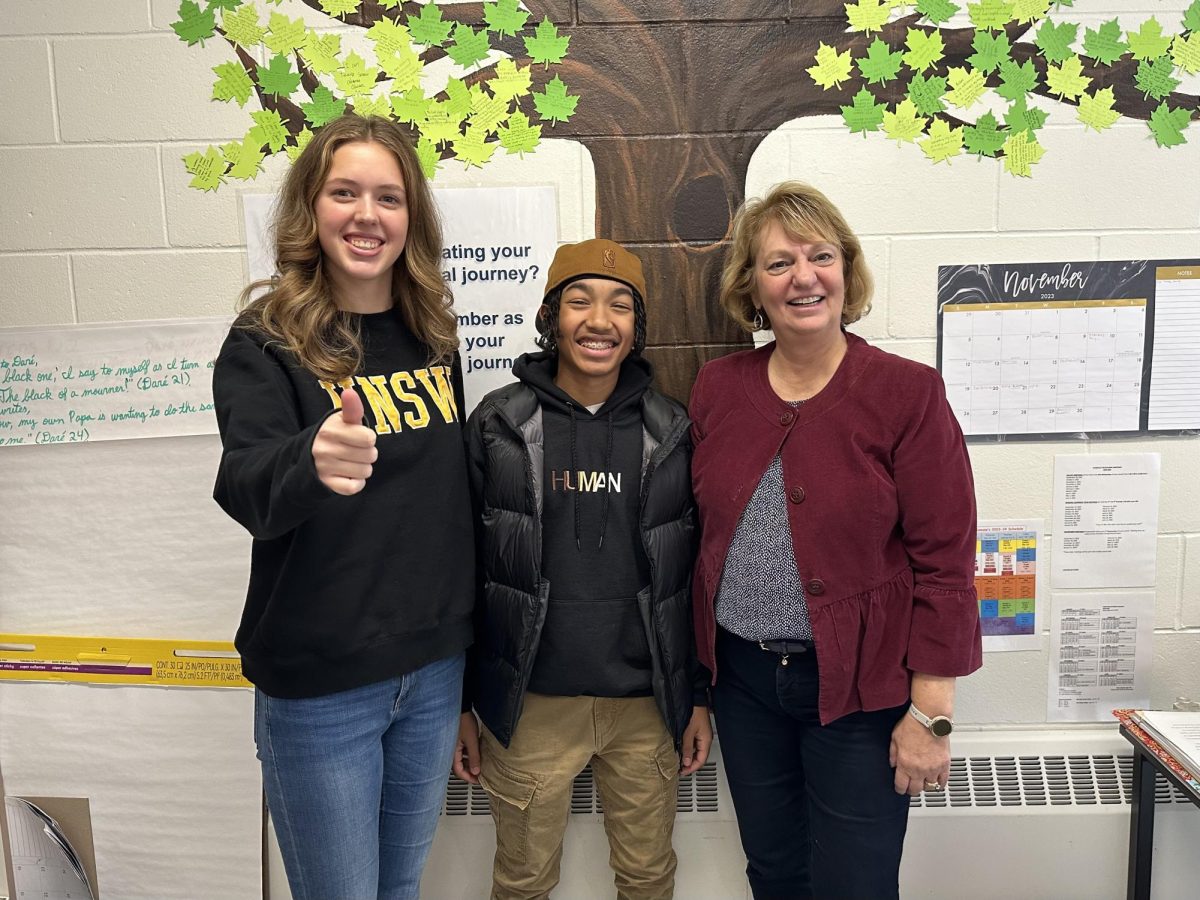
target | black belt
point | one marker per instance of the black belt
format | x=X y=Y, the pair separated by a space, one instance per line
x=786 y=648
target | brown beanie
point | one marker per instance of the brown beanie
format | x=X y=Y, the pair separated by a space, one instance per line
x=600 y=258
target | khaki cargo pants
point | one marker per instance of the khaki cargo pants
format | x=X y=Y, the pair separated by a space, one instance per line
x=636 y=770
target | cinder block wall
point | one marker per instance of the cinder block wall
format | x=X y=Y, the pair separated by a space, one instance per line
x=98 y=224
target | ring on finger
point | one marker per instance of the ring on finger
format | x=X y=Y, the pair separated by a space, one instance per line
x=932 y=786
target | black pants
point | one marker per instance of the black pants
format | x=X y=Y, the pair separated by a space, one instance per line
x=816 y=807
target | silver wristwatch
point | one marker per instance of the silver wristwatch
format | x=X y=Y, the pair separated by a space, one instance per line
x=939 y=726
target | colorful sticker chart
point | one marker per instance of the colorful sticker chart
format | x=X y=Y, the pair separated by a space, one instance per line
x=1007 y=581
x=1053 y=350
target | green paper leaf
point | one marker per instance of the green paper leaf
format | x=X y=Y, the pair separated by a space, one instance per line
x=1067 y=80
x=1095 y=110
x=278 y=78
x=469 y=46
x=864 y=114
x=943 y=141
x=504 y=17
x=832 y=68
x=294 y=150
x=1153 y=77
x=244 y=158
x=867 y=15
x=193 y=27
x=440 y=124
x=339 y=7
x=411 y=106
x=320 y=52
x=1027 y=11
x=487 y=112
x=880 y=65
x=510 y=81
x=519 y=136
x=429 y=157
x=241 y=26
x=1191 y=17
x=1022 y=117
x=283 y=34
x=404 y=68
x=1167 y=125
x=473 y=148
x=1148 y=42
x=458 y=98
x=546 y=46
x=927 y=94
x=367 y=106
x=966 y=87
x=324 y=107
x=904 y=125
x=232 y=83
x=355 y=77
x=268 y=129
x=207 y=169
x=1186 y=52
x=991 y=15
x=1021 y=152
x=1105 y=45
x=1016 y=80
x=1055 y=40
x=990 y=51
x=389 y=38
x=555 y=104
x=428 y=28
x=924 y=49
x=225 y=4
x=937 y=11
x=984 y=138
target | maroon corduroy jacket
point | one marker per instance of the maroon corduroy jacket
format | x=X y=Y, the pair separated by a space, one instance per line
x=881 y=507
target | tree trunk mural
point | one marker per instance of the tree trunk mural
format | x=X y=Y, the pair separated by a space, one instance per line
x=675 y=97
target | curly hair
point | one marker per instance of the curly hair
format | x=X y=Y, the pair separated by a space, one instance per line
x=547 y=320
x=298 y=308
x=805 y=214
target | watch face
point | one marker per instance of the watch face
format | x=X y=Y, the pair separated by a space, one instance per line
x=940 y=726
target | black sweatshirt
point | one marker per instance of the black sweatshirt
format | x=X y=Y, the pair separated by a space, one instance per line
x=346 y=591
x=593 y=642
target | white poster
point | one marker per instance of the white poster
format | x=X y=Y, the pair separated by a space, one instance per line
x=1101 y=655
x=497 y=245
x=76 y=383
x=1105 y=520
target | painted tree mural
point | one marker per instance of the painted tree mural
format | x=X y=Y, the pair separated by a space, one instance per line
x=671 y=98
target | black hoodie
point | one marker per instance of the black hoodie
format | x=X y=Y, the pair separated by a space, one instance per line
x=593 y=641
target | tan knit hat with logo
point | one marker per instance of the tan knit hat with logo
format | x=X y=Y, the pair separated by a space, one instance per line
x=597 y=257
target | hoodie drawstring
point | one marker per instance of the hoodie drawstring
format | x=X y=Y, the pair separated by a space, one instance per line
x=608 y=452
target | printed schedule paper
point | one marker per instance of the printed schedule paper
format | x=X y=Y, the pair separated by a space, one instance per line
x=1105 y=520
x=1009 y=582
x=1081 y=350
x=1100 y=654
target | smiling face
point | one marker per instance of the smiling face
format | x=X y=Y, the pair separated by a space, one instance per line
x=595 y=333
x=799 y=285
x=362 y=225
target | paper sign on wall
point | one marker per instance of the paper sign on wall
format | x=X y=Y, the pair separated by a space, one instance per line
x=77 y=383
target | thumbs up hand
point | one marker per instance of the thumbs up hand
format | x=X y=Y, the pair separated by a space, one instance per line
x=344 y=449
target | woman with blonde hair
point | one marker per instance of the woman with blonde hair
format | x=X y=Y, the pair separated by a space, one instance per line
x=834 y=589
x=337 y=395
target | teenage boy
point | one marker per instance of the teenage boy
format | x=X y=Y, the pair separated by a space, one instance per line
x=584 y=650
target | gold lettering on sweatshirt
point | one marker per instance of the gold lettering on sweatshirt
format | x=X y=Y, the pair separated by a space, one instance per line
x=400 y=399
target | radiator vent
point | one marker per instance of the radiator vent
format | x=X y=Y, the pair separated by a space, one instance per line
x=697 y=793
x=975 y=781
x=987 y=781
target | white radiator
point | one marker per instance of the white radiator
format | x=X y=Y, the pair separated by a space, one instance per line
x=1028 y=814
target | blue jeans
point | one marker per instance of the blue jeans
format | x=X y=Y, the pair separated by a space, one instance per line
x=816 y=805
x=355 y=781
